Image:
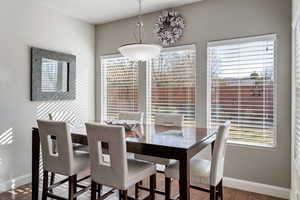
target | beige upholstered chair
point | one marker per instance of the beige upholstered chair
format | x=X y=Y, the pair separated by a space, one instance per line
x=169 y=119
x=119 y=172
x=70 y=118
x=136 y=116
x=165 y=120
x=205 y=171
x=63 y=160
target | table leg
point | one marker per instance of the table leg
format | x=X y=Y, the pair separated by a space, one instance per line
x=184 y=178
x=212 y=147
x=35 y=164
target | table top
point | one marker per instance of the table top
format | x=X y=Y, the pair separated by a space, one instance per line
x=156 y=140
x=168 y=136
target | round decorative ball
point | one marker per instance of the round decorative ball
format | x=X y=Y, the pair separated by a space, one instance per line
x=169 y=27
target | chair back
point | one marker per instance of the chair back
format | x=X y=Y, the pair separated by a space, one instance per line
x=218 y=156
x=169 y=119
x=113 y=173
x=59 y=160
x=136 y=116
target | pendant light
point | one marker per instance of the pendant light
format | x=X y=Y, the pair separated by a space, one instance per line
x=140 y=51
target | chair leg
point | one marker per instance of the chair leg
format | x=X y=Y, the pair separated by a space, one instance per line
x=152 y=186
x=75 y=185
x=213 y=193
x=52 y=179
x=168 y=188
x=136 y=196
x=125 y=196
x=72 y=182
x=137 y=189
x=45 y=185
x=93 y=190
x=99 y=191
x=221 y=189
x=120 y=194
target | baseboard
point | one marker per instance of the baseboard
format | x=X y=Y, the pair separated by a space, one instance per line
x=16 y=182
x=260 y=188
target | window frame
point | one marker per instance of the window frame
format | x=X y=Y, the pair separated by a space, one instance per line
x=233 y=41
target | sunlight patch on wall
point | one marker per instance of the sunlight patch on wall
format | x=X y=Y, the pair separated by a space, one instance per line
x=6 y=137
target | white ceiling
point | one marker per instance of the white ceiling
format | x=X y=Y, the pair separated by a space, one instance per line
x=101 y=11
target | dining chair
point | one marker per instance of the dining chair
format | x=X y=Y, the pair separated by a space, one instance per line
x=70 y=118
x=120 y=172
x=63 y=160
x=169 y=119
x=175 y=120
x=136 y=116
x=204 y=171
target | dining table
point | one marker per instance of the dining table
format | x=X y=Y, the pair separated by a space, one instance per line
x=170 y=142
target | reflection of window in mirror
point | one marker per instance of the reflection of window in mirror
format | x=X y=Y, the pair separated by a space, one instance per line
x=54 y=75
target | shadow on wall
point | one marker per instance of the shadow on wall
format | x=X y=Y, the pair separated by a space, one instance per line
x=60 y=111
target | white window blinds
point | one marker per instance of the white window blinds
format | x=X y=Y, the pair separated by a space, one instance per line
x=242 y=88
x=173 y=81
x=119 y=86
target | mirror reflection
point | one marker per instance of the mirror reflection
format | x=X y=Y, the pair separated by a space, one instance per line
x=54 y=75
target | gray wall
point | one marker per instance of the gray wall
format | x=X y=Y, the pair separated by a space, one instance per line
x=24 y=24
x=217 y=20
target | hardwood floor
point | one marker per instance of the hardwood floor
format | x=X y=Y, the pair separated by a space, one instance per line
x=24 y=193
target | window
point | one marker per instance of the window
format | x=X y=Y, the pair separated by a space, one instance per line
x=173 y=82
x=119 y=86
x=241 y=85
x=170 y=85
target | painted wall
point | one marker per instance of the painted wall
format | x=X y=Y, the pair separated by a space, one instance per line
x=217 y=20
x=24 y=24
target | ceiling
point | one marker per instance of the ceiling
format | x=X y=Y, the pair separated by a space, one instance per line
x=102 y=11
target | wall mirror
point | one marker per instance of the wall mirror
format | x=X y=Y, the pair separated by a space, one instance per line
x=53 y=75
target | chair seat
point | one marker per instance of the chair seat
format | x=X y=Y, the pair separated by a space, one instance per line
x=80 y=147
x=200 y=171
x=139 y=170
x=81 y=162
x=153 y=159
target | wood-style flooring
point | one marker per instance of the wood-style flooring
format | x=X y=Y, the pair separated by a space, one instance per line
x=24 y=193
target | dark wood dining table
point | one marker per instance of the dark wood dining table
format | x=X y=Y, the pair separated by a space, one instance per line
x=179 y=143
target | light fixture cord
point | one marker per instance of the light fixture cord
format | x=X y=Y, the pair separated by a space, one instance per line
x=140 y=23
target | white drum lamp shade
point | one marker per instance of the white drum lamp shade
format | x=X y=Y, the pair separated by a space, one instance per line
x=140 y=51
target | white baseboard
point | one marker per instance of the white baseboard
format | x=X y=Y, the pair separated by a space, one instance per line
x=16 y=182
x=260 y=188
